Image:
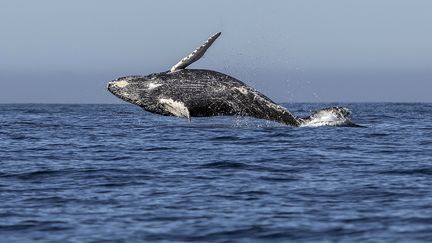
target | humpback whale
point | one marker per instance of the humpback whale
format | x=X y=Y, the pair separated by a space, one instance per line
x=190 y=93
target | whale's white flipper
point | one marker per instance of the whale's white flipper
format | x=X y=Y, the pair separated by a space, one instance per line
x=195 y=55
x=176 y=108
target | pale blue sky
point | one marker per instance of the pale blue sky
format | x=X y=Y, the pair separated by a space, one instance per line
x=66 y=51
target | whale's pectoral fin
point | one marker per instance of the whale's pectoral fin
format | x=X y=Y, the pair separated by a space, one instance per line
x=196 y=54
x=175 y=108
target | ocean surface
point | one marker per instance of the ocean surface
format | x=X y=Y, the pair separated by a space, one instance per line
x=86 y=173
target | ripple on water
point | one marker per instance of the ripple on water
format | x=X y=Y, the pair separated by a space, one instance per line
x=115 y=173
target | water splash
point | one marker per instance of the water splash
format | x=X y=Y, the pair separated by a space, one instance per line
x=332 y=116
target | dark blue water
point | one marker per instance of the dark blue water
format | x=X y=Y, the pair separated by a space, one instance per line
x=116 y=173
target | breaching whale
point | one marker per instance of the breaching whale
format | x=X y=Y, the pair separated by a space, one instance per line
x=190 y=93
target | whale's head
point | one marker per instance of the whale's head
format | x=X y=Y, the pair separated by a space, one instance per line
x=126 y=88
x=136 y=89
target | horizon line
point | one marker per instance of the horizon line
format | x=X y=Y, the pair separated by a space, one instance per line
x=284 y=102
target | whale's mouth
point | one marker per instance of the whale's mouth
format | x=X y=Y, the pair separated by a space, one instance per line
x=332 y=116
x=114 y=89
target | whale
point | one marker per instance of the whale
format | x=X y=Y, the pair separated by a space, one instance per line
x=188 y=93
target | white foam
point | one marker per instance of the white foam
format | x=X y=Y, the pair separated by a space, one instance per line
x=326 y=117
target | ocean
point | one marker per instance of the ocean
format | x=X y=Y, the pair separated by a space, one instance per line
x=103 y=173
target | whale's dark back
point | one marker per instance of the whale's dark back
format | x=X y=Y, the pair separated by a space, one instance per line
x=210 y=93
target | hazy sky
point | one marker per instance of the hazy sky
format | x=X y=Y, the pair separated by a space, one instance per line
x=66 y=51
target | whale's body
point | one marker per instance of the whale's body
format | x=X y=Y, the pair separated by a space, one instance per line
x=190 y=93
x=197 y=93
